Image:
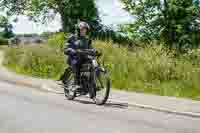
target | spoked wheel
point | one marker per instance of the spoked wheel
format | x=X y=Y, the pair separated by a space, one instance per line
x=102 y=86
x=69 y=84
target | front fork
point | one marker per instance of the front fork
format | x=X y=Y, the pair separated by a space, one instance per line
x=94 y=73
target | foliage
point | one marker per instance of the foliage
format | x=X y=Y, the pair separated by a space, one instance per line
x=71 y=11
x=6 y=27
x=57 y=40
x=3 y=21
x=3 y=41
x=176 y=22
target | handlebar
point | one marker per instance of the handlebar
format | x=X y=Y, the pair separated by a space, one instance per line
x=91 y=52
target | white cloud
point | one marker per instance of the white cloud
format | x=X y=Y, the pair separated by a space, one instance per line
x=24 y=25
x=113 y=12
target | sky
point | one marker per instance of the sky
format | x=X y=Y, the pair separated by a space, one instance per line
x=111 y=13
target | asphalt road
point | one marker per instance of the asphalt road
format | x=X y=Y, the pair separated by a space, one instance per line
x=27 y=110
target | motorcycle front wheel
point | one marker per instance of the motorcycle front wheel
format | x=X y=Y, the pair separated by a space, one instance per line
x=69 y=83
x=101 y=86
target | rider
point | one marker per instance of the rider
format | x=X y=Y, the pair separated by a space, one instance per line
x=74 y=44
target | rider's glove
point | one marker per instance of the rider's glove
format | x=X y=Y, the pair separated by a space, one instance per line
x=70 y=51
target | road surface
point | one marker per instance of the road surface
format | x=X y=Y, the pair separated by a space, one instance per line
x=28 y=110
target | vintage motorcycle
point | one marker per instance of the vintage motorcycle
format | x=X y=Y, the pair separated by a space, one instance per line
x=93 y=79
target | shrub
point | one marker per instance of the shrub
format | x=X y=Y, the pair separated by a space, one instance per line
x=3 y=41
x=56 y=40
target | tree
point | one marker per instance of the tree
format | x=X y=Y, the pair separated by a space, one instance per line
x=71 y=11
x=3 y=21
x=6 y=27
x=171 y=21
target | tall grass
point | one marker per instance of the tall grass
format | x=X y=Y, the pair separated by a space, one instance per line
x=153 y=69
x=39 y=61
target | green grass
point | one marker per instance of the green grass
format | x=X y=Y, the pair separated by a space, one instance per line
x=38 y=61
x=153 y=69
